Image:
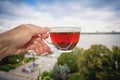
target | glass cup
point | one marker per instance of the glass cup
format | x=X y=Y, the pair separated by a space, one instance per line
x=64 y=38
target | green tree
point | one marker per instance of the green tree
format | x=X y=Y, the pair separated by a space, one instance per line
x=70 y=59
x=115 y=73
x=60 y=72
x=97 y=63
x=47 y=78
x=78 y=51
x=44 y=74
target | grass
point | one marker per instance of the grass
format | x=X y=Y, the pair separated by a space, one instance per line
x=8 y=67
x=27 y=60
x=76 y=76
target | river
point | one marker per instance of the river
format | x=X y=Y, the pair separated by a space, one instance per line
x=86 y=40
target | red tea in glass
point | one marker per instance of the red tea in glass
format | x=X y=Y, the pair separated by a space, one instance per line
x=65 y=39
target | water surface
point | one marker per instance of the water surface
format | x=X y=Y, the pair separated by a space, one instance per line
x=86 y=40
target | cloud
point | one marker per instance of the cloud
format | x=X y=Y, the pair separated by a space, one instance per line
x=69 y=13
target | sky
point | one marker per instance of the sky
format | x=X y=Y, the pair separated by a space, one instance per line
x=90 y=15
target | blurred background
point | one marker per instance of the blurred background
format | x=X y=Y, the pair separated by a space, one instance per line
x=90 y=15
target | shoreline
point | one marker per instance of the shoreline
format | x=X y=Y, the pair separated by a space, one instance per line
x=106 y=33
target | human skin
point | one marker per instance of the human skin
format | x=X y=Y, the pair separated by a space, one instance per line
x=23 y=38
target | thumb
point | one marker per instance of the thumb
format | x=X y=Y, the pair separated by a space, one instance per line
x=38 y=30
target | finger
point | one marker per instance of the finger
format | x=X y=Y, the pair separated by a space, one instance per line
x=46 y=48
x=39 y=39
x=31 y=47
x=45 y=36
x=41 y=48
x=38 y=47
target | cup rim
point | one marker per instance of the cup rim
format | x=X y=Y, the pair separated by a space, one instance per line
x=66 y=27
x=63 y=28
